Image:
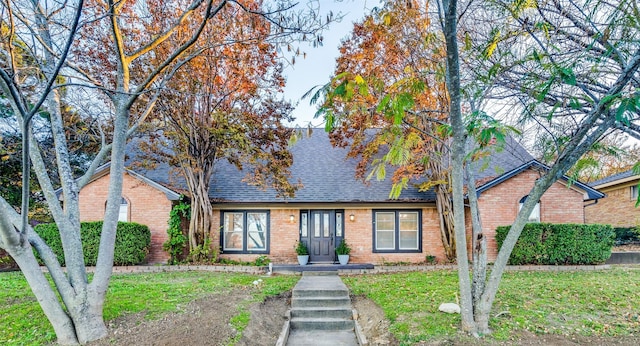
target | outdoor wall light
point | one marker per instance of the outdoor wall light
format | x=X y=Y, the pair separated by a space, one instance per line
x=292 y=218
x=352 y=217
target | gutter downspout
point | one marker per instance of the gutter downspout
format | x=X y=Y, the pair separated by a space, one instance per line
x=584 y=214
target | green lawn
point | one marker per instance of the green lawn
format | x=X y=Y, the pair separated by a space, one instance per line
x=603 y=303
x=584 y=303
x=22 y=321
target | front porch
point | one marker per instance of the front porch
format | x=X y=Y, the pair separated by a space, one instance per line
x=296 y=268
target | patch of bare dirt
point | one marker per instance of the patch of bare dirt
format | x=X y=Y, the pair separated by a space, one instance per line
x=206 y=321
x=267 y=319
x=202 y=322
x=372 y=321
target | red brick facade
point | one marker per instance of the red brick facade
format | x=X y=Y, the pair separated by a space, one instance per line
x=147 y=206
x=499 y=205
x=618 y=208
x=358 y=233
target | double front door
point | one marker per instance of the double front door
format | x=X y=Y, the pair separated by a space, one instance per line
x=322 y=230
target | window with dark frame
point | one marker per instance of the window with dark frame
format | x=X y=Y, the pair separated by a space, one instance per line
x=634 y=192
x=245 y=231
x=397 y=231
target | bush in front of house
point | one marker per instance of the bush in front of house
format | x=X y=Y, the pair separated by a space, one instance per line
x=133 y=242
x=626 y=235
x=560 y=244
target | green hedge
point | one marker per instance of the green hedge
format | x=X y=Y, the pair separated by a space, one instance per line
x=626 y=235
x=132 y=242
x=560 y=244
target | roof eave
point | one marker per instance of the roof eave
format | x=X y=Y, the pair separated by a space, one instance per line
x=592 y=193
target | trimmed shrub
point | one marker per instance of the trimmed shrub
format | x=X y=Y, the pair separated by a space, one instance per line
x=560 y=244
x=626 y=235
x=132 y=242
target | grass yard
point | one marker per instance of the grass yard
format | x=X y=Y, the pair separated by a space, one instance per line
x=589 y=303
x=22 y=321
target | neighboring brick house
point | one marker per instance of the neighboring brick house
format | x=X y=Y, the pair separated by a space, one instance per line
x=334 y=205
x=618 y=208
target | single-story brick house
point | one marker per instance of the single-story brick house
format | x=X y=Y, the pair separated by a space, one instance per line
x=618 y=208
x=333 y=205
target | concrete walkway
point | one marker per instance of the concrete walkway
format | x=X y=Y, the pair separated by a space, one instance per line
x=321 y=312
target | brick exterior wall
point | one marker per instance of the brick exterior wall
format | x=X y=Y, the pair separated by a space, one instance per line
x=283 y=236
x=358 y=234
x=617 y=208
x=147 y=206
x=499 y=205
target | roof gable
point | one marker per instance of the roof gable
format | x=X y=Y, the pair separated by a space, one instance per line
x=534 y=164
x=105 y=170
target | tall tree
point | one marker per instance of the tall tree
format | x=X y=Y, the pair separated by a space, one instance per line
x=565 y=62
x=124 y=54
x=228 y=97
x=222 y=105
x=389 y=77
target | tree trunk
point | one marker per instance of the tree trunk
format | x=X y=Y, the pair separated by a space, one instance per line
x=62 y=324
x=88 y=319
x=479 y=241
x=445 y=212
x=457 y=159
x=197 y=171
x=440 y=173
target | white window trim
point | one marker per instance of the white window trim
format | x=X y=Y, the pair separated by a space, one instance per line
x=123 y=211
x=535 y=213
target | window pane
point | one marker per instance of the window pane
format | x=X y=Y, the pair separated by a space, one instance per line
x=123 y=213
x=385 y=240
x=408 y=240
x=408 y=221
x=338 y=225
x=233 y=226
x=385 y=231
x=257 y=231
x=385 y=221
x=325 y=226
x=303 y=225
x=408 y=230
x=316 y=223
x=535 y=213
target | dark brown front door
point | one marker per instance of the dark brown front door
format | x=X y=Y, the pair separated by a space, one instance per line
x=321 y=242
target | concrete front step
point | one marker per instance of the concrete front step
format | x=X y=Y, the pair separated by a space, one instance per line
x=322 y=338
x=320 y=302
x=320 y=273
x=337 y=292
x=337 y=312
x=325 y=323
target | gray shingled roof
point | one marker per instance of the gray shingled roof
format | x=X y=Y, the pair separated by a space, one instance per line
x=612 y=178
x=327 y=175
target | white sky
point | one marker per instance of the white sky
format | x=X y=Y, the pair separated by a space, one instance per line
x=319 y=64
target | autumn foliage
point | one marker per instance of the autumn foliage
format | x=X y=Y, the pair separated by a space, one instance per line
x=388 y=103
x=223 y=105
